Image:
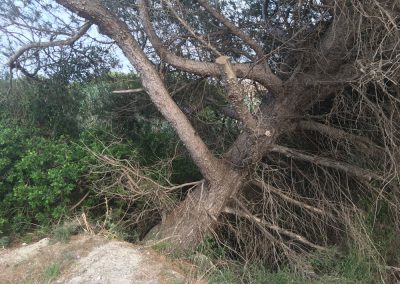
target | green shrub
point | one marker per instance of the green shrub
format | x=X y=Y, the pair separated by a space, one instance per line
x=37 y=178
x=41 y=177
x=4 y=241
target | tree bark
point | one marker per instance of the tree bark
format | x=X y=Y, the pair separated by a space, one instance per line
x=186 y=226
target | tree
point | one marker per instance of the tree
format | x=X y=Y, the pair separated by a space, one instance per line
x=304 y=59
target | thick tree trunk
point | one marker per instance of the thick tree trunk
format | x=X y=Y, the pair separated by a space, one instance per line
x=198 y=214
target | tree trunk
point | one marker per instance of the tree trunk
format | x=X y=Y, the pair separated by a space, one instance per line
x=198 y=214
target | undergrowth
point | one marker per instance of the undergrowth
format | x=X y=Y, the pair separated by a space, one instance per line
x=327 y=268
x=335 y=264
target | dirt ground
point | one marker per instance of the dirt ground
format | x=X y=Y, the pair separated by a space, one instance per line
x=88 y=259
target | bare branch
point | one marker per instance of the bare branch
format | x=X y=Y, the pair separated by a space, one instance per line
x=40 y=45
x=129 y=91
x=339 y=134
x=273 y=227
x=318 y=160
x=287 y=198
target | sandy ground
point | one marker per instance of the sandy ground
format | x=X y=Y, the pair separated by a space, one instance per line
x=87 y=259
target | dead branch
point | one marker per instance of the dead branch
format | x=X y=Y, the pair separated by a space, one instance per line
x=330 y=163
x=129 y=91
x=338 y=134
x=80 y=201
x=287 y=198
x=273 y=227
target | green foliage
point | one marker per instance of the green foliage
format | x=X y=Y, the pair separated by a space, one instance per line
x=36 y=234
x=126 y=114
x=38 y=176
x=210 y=248
x=348 y=268
x=235 y=272
x=255 y=275
x=63 y=233
x=51 y=272
x=163 y=246
x=381 y=225
x=330 y=268
x=46 y=104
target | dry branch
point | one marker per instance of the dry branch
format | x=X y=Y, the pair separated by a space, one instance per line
x=330 y=163
x=338 y=134
x=128 y=91
x=273 y=227
x=287 y=198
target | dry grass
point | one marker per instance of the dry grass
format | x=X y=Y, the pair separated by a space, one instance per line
x=47 y=262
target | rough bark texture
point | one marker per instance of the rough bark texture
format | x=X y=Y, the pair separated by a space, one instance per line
x=198 y=214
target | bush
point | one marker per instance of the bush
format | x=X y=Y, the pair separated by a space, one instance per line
x=48 y=105
x=37 y=178
x=41 y=177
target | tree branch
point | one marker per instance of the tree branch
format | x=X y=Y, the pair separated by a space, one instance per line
x=226 y=110
x=128 y=91
x=255 y=72
x=339 y=134
x=235 y=94
x=287 y=198
x=318 y=160
x=40 y=45
x=234 y=29
x=191 y=31
x=279 y=230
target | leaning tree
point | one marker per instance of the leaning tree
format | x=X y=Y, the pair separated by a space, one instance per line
x=311 y=85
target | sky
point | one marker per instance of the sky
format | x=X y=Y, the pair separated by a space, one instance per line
x=17 y=16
